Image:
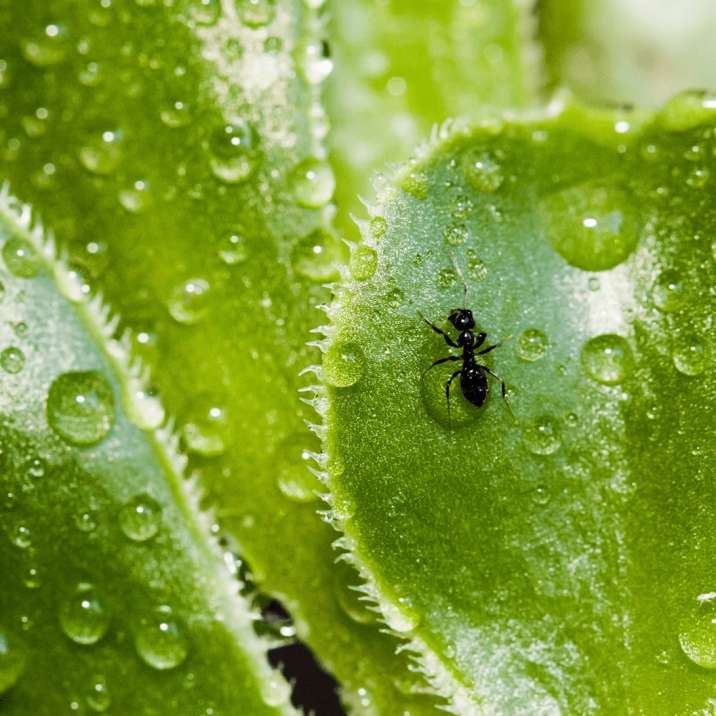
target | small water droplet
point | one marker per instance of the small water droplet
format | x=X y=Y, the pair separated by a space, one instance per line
x=315 y=256
x=189 y=303
x=607 y=358
x=140 y=518
x=456 y=234
x=531 y=344
x=84 y=616
x=102 y=153
x=690 y=356
x=19 y=533
x=136 y=198
x=234 y=248
x=13 y=657
x=234 y=152
x=697 y=632
x=697 y=177
x=206 y=12
x=446 y=277
x=541 y=436
x=256 y=13
x=400 y=618
x=593 y=283
x=176 y=113
x=316 y=62
x=378 y=225
x=415 y=184
x=98 y=697
x=313 y=183
x=86 y=521
x=206 y=429
x=75 y=284
x=48 y=47
x=160 y=639
x=36 y=467
x=668 y=292
x=394 y=298
x=541 y=495
x=687 y=110
x=275 y=691
x=483 y=170
x=12 y=360
x=349 y=599
x=21 y=258
x=80 y=407
x=293 y=459
x=343 y=364
x=31 y=578
x=364 y=261
x=90 y=75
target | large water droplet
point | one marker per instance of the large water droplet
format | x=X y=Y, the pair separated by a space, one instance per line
x=343 y=364
x=234 y=152
x=98 y=697
x=84 y=617
x=140 y=518
x=102 y=153
x=80 y=407
x=189 y=303
x=160 y=639
x=21 y=258
x=256 y=13
x=668 y=292
x=531 y=344
x=12 y=360
x=315 y=256
x=48 y=47
x=690 y=356
x=363 y=263
x=313 y=183
x=13 y=657
x=697 y=633
x=541 y=436
x=206 y=429
x=607 y=358
x=594 y=227
x=294 y=457
x=482 y=170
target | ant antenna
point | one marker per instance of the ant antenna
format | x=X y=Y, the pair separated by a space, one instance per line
x=462 y=276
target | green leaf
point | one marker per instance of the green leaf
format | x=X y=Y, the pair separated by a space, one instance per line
x=116 y=596
x=562 y=561
x=177 y=154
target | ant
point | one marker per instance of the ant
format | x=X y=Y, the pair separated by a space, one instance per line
x=473 y=375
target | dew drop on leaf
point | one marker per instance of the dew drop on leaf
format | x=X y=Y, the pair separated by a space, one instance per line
x=84 y=616
x=293 y=459
x=176 y=113
x=531 y=344
x=47 y=47
x=140 y=518
x=205 y=12
x=98 y=697
x=315 y=255
x=102 y=152
x=607 y=358
x=378 y=225
x=343 y=364
x=345 y=578
x=456 y=234
x=363 y=263
x=697 y=633
x=160 y=639
x=256 y=13
x=206 y=429
x=234 y=248
x=189 y=302
x=13 y=657
x=446 y=277
x=21 y=258
x=86 y=521
x=80 y=407
x=313 y=183
x=234 y=152
x=137 y=197
x=668 y=292
x=482 y=170
x=275 y=691
x=541 y=436
x=12 y=360
x=690 y=356
x=316 y=62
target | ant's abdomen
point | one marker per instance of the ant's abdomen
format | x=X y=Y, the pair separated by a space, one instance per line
x=473 y=382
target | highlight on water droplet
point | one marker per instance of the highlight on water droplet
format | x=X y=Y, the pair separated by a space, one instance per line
x=234 y=247
x=21 y=258
x=84 y=616
x=12 y=360
x=482 y=170
x=206 y=429
x=313 y=183
x=13 y=658
x=234 y=151
x=316 y=256
x=189 y=302
x=98 y=697
x=137 y=197
x=160 y=639
x=531 y=344
x=668 y=291
x=102 y=152
x=697 y=631
x=275 y=691
x=363 y=263
x=80 y=407
x=343 y=364
x=592 y=226
x=690 y=355
x=607 y=358
x=256 y=13
x=47 y=47
x=541 y=436
x=315 y=61
x=140 y=518
x=294 y=458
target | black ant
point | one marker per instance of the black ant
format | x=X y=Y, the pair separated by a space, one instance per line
x=473 y=375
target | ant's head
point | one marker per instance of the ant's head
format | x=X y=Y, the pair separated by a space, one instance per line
x=462 y=319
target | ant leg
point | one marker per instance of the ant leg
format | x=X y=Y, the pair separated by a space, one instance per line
x=489 y=348
x=447 y=394
x=479 y=340
x=447 y=338
x=504 y=389
x=443 y=360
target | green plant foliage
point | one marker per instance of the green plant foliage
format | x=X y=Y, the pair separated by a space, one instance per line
x=561 y=561
x=115 y=596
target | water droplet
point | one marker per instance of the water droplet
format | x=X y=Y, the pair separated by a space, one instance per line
x=415 y=184
x=140 y=518
x=697 y=177
x=36 y=467
x=234 y=152
x=137 y=198
x=275 y=691
x=80 y=407
x=476 y=267
x=343 y=364
x=189 y=303
x=315 y=256
x=19 y=534
x=21 y=258
x=697 y=632
x=206 y=430
x=394 y=298
x=316 y=62
x=206 y=12
x=90 y=75
x=102 y=153
x=176 y=113
x=160 y=639
x=668 y=292
x=293 y=460
x=98 y=697
x=49 y=47
x=256 y=13
x=234 y=248
x=687 y=110
x=31 y=578
x=84 y=617
x=482 y=170
x=6 y=74
x=349 y=599
x=446 y=277
x=593 y=227
x=593 y=283
x=456 y=234
x=86 y=521
x=607 y=358
x=378 y=225
x=313 y=183
x=75 y=284
x=531 y=344
x=143 y=405
x=13 y=657
x=690 y=356
x=364 y=261
x=399 y=618
x=541 y=436
x=12 y=360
